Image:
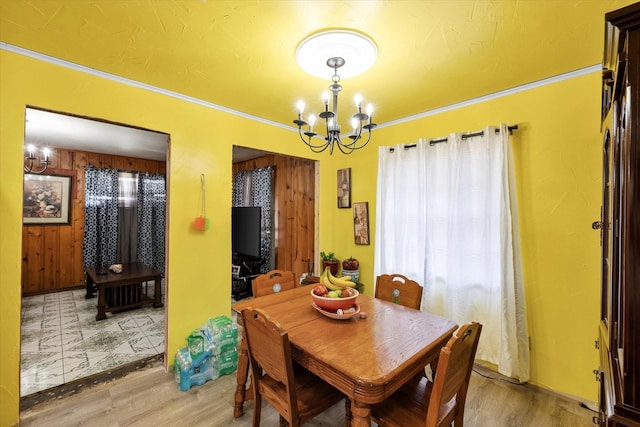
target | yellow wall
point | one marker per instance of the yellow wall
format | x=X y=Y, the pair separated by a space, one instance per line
x=199 y=282
x=557 y=151
x=558 y=164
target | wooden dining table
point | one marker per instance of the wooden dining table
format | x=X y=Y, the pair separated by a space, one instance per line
x=366 y=358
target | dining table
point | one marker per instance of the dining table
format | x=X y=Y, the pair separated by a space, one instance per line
x=367 y=357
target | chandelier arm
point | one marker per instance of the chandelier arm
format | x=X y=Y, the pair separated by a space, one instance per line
x=29 y=168
x=314 y=148
x=351 y=147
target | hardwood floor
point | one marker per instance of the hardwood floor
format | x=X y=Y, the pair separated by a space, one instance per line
x=150 y=397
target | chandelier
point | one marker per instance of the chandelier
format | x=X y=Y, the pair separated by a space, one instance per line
x=337 y=45
x=30 y=159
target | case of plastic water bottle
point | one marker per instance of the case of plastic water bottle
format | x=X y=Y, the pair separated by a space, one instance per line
x=211 y=351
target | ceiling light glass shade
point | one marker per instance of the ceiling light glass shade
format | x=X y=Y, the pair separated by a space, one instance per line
x=358 y=51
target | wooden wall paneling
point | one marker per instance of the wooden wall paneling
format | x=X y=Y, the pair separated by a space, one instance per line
x=117 y=162
x=288 y=230
x=33 y=259
x=77 y=222
x=139 y=165
x=65 y=255
x=107 y=161
x=51 y=258
x=94 y=159
x=151 y=166
x=24 y=249
x=307 y=221
x=66 y=159
x=293 y=204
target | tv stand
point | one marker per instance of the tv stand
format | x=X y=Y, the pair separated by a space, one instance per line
x=247 y=270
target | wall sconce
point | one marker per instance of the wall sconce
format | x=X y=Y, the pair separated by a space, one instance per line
x=30 y=159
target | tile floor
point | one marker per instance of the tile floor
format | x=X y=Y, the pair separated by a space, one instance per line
x=62 y=341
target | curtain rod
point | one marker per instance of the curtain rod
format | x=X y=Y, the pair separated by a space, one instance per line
x=464 y=136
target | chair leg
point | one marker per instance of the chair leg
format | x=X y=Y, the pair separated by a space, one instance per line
x=347 y=412
x=257 y=409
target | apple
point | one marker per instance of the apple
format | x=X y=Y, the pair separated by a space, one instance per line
x=320 y=290
x=350 y=264
x=348 y=292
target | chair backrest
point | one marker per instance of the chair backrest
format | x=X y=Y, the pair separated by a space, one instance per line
x=272 y=282
x=451 y=382
x=399 y=289
x=270 y=353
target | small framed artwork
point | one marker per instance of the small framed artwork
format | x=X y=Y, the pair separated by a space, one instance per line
x=344 y=188
x=361 y=223
x=46 y=199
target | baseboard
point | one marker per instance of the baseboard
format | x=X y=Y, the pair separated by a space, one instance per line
x=488 y=372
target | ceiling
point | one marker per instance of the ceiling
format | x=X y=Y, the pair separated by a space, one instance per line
x=241 y=54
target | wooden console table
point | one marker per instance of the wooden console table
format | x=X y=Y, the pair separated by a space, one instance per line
x=121 y=291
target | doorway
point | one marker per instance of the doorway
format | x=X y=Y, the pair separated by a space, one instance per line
x=61 y=341
x=294 y=225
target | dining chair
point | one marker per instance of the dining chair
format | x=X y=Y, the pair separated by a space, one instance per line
x=297 y=394
x=441 y=402
x=399 y=289
x=272 y=282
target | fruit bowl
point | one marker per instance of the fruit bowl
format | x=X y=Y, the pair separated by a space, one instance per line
x=333 y=304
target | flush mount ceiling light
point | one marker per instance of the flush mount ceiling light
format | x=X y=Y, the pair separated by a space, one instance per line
x=352 y=53
x=358 y=51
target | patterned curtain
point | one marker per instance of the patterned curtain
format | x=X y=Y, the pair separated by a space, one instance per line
x=152 y=206
x=255 y=188
x=100 y=239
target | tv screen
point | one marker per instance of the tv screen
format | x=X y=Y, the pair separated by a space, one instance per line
x=245 y=231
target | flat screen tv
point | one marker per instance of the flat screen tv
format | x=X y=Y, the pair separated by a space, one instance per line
x=245 y=232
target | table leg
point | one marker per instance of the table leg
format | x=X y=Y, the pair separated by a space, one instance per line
x=102 y=305
x=360 y=414
x=242 y=376
x=89 y=287
x=157 y=298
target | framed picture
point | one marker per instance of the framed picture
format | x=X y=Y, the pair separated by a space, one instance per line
x=46 y=199
x=344 y=188
x=361 y=223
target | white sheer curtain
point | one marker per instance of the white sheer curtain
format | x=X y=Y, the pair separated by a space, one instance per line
x=446 y=217
x=127 y=217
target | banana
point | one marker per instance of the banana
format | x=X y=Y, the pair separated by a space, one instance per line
x=339 y=282
x=324 y=279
